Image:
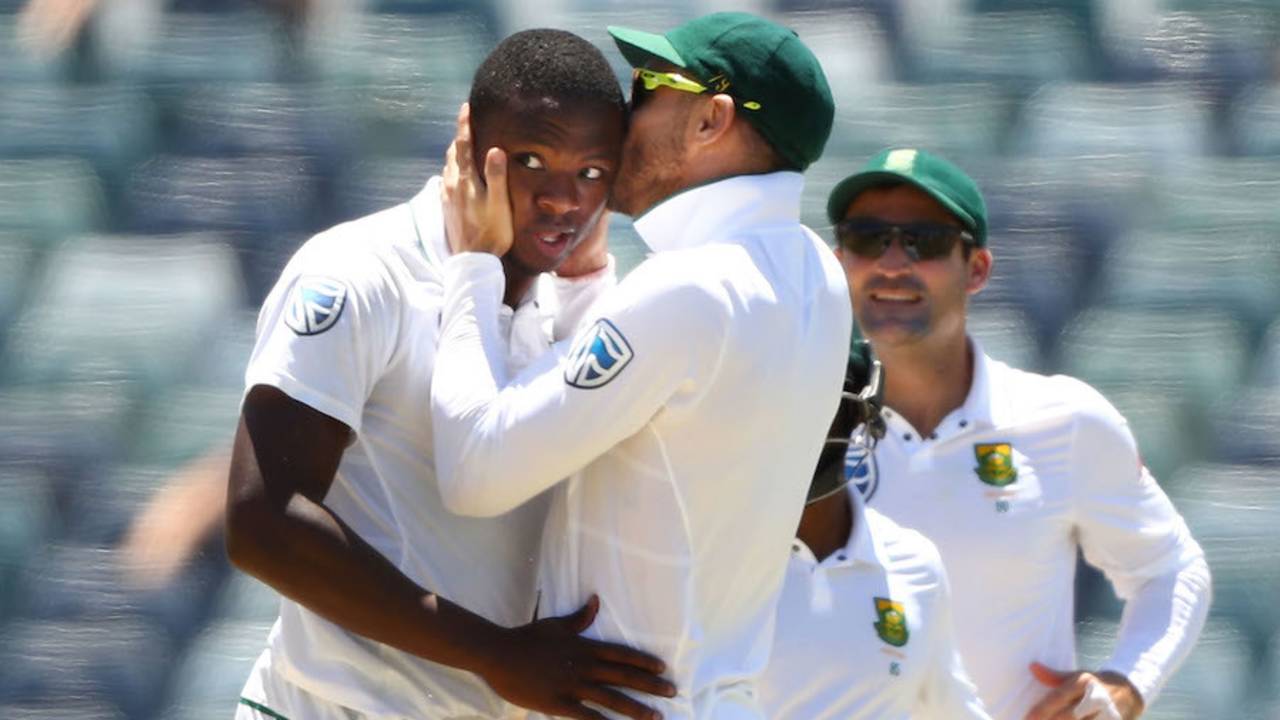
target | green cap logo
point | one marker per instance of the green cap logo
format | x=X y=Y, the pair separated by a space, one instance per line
x=995 y=464
x=892 y=625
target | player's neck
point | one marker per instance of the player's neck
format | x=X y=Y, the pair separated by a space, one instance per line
x=518 y=285
x=925 y=381
x=826 y=525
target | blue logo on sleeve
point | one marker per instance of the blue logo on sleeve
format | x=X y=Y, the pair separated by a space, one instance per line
x=316 y=305
x=598 y=356
x=860 y=468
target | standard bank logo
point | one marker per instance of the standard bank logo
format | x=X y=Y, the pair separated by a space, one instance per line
x=860 y=468
x=316 y=305
x=598 y=356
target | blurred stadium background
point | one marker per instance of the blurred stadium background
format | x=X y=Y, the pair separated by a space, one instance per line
x=160 y=163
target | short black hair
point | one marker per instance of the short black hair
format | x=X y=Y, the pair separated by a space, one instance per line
x=534 y=64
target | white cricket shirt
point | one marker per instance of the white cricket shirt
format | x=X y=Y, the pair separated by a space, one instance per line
x=692 y=412
x=866 y=633
x=350 y=329
x=1026 y=471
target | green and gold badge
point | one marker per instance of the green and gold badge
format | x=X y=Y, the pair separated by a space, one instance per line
x=995 y=464
x=892 y=625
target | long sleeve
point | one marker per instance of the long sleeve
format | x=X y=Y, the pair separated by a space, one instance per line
x=499 y=441
x=1162 y=621
x=1130 y=530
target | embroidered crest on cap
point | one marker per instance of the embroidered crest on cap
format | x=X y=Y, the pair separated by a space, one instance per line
x=316 y=305
x=598 y=356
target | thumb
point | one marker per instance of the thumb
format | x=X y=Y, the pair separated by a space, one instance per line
x=584 y=616
x=1048 y=677
x=495 y=178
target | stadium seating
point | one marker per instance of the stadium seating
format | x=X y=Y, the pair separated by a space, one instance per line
x=1233 y=269
x=378 y=183
x=63 y=425
x=1019 y=50
x=406 y=75
x=214 y=670
x=53 y=708
x=110 y=126
x=189 y=48
x=1246 y=426
x=17 y=261
x=266 y=195
x=1077 y=119
x=246 y=119
x=144 y=304
x=1193 y=354
x=1268 y=371
x=962 y=121
x=50 y=198
x=27 y=519
x=1216 y=193
x=1233 y=512
x=120 y=661
x=1258 y=121
x=18 y=64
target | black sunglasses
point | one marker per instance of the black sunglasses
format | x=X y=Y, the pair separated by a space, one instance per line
x=870 y=238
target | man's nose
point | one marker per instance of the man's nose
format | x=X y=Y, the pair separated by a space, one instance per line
x=557 y=196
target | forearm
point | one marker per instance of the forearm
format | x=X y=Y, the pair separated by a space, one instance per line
x=1161 y=623
x=491 y=447
x=309 y=555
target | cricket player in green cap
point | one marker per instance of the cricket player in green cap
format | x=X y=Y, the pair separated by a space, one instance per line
x=1010 y=473
x=689 y=412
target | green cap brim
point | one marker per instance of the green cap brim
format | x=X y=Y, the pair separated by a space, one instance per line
x=852 y=186
x=638 y=47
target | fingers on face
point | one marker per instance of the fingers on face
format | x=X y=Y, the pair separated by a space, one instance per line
x=495 y=173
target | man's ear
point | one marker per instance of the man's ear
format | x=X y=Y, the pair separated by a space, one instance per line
x=713 y=119
x=980 y=262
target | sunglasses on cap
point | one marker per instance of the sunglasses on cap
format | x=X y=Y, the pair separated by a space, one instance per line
x=646 y=80
x=870 y=238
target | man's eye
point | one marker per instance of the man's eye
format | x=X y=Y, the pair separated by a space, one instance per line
x=531 y=161
x=593 y=173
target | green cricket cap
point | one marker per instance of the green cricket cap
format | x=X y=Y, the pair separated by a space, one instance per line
x=943 y=181
x=776 y=79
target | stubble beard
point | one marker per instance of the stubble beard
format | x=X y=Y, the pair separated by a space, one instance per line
x=649 y=174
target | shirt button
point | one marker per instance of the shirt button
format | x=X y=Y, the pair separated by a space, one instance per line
x=964 y=423
x=906 y=436
x=842 y=557
x=934 y=436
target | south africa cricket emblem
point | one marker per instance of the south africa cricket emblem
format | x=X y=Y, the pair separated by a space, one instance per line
x=892 y=625
x=995 y=464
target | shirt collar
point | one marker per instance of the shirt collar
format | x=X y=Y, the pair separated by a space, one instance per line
x=702 y=214
x=428 y=220
x=862 y=548
x=979 y=407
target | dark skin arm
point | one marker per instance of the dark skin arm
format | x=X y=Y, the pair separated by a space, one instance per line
x=280 y=531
